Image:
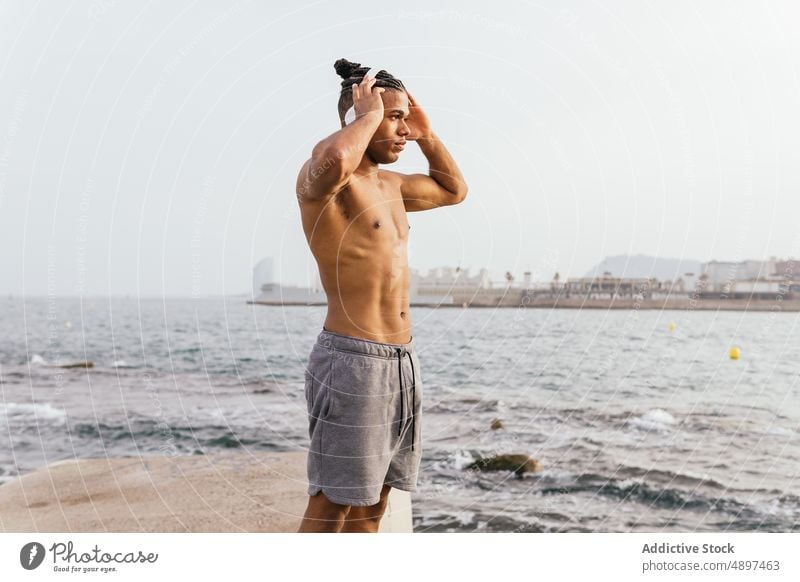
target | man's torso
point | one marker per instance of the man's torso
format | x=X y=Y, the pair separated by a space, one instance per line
x=359 y=238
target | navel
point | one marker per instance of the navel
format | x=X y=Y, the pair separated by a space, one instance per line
x=376 y=224
x=403 y=314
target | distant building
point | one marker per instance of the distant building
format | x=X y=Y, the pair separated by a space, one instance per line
x=608 y=287
x=752 y=279
x=788 y=269
x=443 y=285
x=687 y=283
x=720 y=275
x=743 y=289
x=438 y=286
x=266 y=290
x=720 y=280
x=262 y=274
x=275 y=293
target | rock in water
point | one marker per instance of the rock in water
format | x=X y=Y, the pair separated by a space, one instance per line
x=77 y=365
x=518 y=463
x=497 y=423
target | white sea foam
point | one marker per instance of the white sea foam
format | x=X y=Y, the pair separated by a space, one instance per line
x=625 y=483
x=560 y=477
x=461 y=459
x=15 y=410
x=465 y=517
x=780 y=431
x=216 y=413
x=785 y=506
x=656 y=420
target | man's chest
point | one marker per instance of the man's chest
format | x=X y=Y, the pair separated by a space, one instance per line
x=372 y=210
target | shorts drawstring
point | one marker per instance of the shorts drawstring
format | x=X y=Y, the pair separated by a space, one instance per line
x=413 y=398
x=402 y=396
x=400 y=354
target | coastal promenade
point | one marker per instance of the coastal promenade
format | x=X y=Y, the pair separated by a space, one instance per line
x=516 y=300
x=225 y=492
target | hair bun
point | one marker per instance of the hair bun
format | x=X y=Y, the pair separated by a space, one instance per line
x=345 y=68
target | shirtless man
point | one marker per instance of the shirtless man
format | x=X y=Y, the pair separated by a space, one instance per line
x=363 y=386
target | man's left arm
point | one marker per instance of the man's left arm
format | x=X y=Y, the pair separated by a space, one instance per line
x=444 y=184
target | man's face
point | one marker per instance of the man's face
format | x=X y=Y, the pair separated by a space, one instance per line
x=385 y=146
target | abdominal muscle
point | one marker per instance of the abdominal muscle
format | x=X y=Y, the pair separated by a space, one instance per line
x=368 y=296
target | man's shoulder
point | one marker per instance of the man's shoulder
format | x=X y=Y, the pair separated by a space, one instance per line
x=390 y=173
x=302 y=175
x=306 y=176
x=395 y=177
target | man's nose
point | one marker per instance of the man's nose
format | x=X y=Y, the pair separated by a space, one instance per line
x=403 y=128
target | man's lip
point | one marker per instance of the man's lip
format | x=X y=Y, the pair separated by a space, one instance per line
x=400 y=144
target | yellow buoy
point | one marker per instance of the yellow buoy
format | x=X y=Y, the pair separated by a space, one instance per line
x=734 y=353
x=672 y=326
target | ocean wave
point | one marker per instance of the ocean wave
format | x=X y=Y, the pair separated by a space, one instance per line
x=460 y=459
x=657 y=420
x=655 y=489
x=469 y=404
x=121 y=364
x=778 y=431
x=150 y=432
x=25 y=411
x=663 y=476
x=759 y=514
x=787 y=505
x=494 y=522
x=653 y=496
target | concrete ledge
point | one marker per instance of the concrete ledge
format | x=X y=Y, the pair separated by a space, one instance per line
x=227 y=492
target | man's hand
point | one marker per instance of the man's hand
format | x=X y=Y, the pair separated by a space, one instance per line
x=444 y=184
x=366 y=99
x=418 y=122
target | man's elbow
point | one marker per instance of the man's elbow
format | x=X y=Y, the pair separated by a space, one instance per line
x=459 y=195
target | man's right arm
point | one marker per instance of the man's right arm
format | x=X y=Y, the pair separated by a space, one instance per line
x=336 y=157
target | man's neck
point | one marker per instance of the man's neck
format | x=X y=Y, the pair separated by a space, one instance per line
x=367 y=167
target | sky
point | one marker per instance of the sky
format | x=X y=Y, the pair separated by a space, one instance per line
x=152 y=148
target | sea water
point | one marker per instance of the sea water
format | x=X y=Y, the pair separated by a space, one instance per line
x=638 y=425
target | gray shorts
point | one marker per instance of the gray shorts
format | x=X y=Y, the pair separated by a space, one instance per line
x=364 y=404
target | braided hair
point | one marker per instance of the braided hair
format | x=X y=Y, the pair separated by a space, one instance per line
x=352 y=73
